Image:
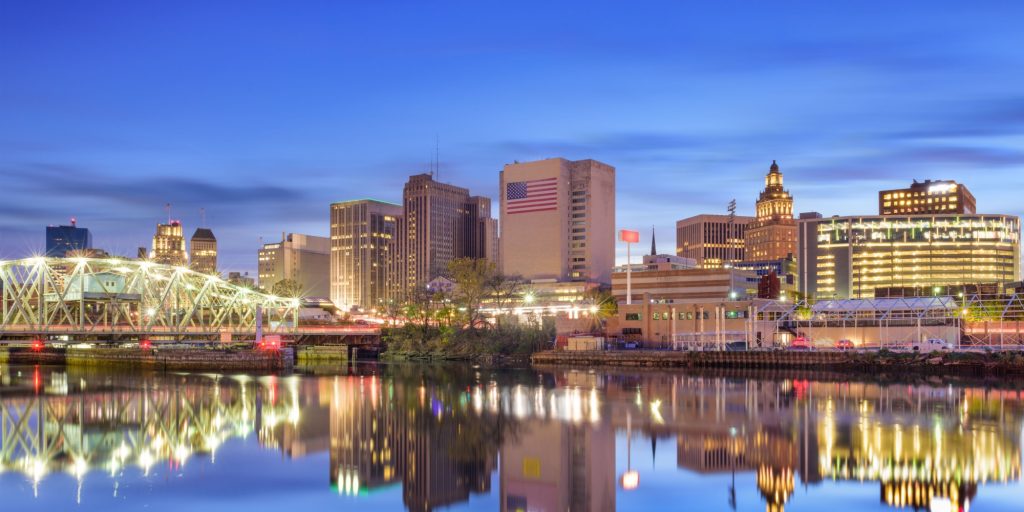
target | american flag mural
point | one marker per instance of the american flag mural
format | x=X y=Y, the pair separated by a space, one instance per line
x=531 y=196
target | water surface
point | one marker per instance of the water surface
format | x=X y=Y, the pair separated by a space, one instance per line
x=406 y=437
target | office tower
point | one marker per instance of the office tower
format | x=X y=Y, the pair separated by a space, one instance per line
x=714 y=241
x=939 y=196
x=558 y=220
x=169 y=244
x=860 y=256
x=63 y=239
x=772 y=234
x=304 y=259
x=203 y=251
x=364 y=248
x=441 y=222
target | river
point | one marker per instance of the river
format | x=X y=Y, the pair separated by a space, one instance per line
x=419 y=437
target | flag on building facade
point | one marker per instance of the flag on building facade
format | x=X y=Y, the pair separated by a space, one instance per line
x=531 y=196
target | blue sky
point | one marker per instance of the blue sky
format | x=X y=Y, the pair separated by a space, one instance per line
x=263 y=113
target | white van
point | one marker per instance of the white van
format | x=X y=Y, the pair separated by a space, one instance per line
x=931 y=345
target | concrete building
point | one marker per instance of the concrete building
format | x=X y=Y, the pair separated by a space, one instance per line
x=203 y=251
x=672 y=286
x=852 y=257
x=772 y=234
x=305 y=259
x=441 y=222
x=714 y=241
x=927 y=197
x=364 y=252
x=63 y=239
x=169 y=245
x=558 y=220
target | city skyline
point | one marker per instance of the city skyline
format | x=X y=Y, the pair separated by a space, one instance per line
x=690 y=109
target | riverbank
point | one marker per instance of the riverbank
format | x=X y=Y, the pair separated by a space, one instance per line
x=166 y=359
x=946 y=363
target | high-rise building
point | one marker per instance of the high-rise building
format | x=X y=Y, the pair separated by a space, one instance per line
x=364 y=235
x=853 y=257
x=714 y=241
x=169 y=245
x=203 y=251
x=305 y=259
x=558 y=220
x=484 y=242
x=772 y=234
x=441 y=222
x=63 y=239
x=939 y=196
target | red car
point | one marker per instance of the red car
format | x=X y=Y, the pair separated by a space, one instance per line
x=844 y=345
x=800 y=343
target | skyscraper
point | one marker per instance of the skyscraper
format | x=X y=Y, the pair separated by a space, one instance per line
x=713 y=241
x=558 y=220
x=63 y=239
x=169 y=244
x=305 y=259
x=364 y=250
x=441 y=222
x=203 y=251
x=772 y=235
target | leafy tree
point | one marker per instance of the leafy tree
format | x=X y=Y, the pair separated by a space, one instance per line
x=473 y=278
x=289 y=288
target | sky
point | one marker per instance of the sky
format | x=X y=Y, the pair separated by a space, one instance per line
x=263 y=113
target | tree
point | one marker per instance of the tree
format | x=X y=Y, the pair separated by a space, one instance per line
x=473 y=278
x=504 y=291
x=289 y=288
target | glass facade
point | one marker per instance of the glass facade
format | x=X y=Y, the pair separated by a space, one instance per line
x=854 y=256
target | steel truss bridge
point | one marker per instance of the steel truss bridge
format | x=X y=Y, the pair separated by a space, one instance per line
x=59 y=427
x=110 y=299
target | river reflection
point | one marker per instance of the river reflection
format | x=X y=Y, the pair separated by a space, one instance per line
x=422 y=438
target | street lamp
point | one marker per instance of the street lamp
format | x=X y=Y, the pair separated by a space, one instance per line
x=529 y=298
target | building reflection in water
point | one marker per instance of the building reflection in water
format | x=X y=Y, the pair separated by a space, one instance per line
x=437 y=436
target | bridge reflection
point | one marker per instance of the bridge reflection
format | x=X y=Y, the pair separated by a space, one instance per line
x=438 y=435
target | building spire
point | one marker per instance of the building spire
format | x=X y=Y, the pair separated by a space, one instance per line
x=654 y=246
x=774 y=168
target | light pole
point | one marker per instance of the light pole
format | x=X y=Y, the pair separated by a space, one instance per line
x=630 y=237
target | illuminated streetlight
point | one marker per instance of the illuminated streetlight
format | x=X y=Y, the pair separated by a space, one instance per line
x=529 y=298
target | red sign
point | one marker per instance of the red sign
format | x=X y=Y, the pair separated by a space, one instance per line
x=628 y=236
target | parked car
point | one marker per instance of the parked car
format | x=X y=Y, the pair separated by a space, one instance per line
x=800 y=343
x=844 y=345
x=931 y=345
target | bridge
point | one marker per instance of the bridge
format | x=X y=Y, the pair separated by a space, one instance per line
x=118 y=300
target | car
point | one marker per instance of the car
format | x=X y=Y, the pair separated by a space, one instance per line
x=800 y=343
x=844 y=345
x=931 y=345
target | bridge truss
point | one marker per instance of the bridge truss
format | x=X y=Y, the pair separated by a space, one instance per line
x=114 y=299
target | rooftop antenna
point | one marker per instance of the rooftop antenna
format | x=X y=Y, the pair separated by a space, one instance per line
x=437 y=156
x=168 y=208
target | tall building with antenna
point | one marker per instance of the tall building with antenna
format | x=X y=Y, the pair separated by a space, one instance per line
x=441 y=222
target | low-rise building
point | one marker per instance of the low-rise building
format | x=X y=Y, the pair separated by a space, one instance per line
x=686 y=285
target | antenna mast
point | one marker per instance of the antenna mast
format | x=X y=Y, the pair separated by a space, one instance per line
x=168 y=208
